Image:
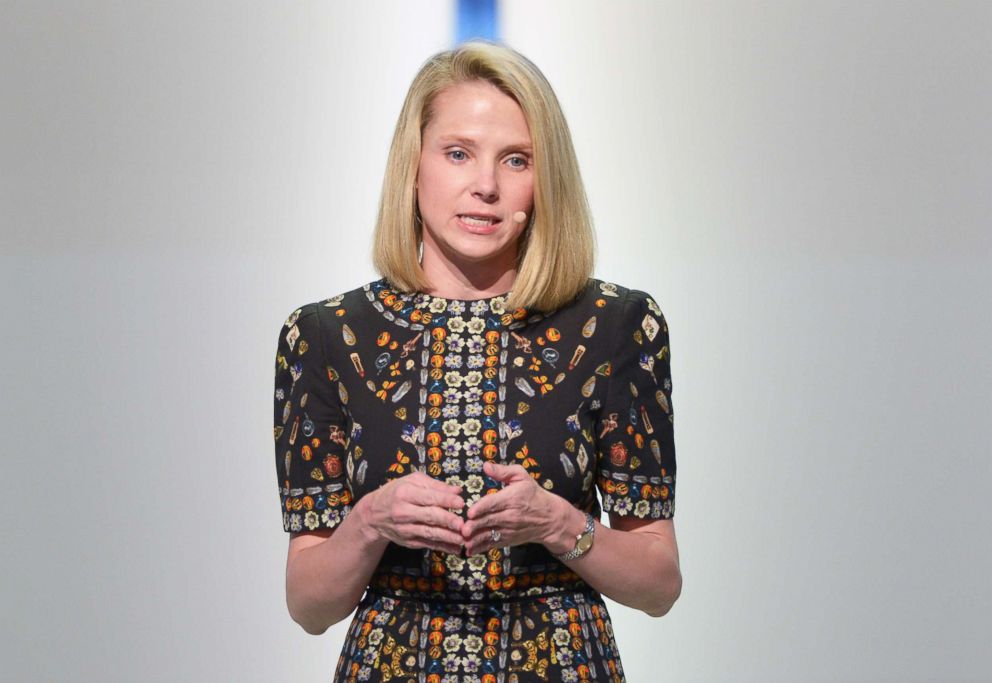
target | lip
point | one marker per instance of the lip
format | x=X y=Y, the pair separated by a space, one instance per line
x=480 y=229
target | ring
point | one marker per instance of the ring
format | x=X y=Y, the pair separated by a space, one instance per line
x=495 y=534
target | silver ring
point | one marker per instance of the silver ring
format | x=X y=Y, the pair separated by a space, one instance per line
x=495 y=535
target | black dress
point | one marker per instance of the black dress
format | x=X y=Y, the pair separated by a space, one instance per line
x=373 y=384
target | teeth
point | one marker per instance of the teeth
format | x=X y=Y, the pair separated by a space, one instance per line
x=471 y=220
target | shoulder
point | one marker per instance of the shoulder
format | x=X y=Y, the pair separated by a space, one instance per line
x=635 y=314
x=628 y=301
x=322 y=311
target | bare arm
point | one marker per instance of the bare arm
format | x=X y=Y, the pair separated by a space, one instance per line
x=633 y=561
x=328 y=570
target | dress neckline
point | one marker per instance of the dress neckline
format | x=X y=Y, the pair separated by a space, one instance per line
x=420 y=307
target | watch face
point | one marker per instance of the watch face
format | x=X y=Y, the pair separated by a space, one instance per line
x=584 y=543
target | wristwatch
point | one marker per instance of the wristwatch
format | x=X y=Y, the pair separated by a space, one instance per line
x=583 y=541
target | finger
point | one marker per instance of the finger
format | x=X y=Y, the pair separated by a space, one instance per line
x=433 y=537
x=505 y=521
x=483 y=542
x=437 y=494
x=493 y=502
x=505 y=472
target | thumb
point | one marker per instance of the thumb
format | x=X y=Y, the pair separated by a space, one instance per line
x=502 y=472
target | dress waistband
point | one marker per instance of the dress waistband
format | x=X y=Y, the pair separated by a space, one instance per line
x=584 y=589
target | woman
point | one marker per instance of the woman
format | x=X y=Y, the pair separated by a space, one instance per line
x=441 y=432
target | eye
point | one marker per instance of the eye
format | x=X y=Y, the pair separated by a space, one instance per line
x=456 y=151
x=524 y=161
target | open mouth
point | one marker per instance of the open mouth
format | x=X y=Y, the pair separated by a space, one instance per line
x=478 y=221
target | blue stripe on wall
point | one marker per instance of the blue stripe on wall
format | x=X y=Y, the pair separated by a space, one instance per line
x=476 y=19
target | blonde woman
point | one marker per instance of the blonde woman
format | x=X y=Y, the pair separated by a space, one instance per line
x=448 y=435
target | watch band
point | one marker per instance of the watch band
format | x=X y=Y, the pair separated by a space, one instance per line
x=589 y=531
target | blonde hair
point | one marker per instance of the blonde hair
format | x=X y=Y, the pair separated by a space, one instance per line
x=556 y=252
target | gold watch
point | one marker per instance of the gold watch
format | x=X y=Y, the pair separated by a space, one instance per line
x=583 y=541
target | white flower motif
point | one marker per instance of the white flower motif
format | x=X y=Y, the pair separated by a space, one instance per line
x=454 y=481
x=438 y=305
x=450 y=410
x=569 y=676
x=561 y=637
x=473 y=643
x=476 y=325
x=451 y=447
x=455 y=564
x=457 y=307
x=473 y=378
x=455 y=344
x=453 y=624
x=452 y=643
x=450 y=465
x=474 y=483
x=456 y=325
x=476 y=562
x=497 y=305
x=471 y=427
x=642 y=508
x=331 y=517
x=453 y=361
x=473 y=410
x=565 y=657
x=473 y=394
x=375 y=636
x=451 y=427
x=479 y=307
x=473 y=464
x=476 y=344
x=421 y=300
x=453 y=379
x=622 y=505
x=471 y=663
x=473 y=446
x=475 y=361
x=451 y=661
x=295 y=522
x=451 y=395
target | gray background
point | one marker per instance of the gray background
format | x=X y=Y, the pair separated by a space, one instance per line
x=802 y=186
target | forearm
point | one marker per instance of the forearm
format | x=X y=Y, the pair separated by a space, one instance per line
x=325 y=582
x=634 y=569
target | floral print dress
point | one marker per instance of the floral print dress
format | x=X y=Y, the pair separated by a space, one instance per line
x=374 y=384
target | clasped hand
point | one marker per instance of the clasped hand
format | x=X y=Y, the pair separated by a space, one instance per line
x=415 y=511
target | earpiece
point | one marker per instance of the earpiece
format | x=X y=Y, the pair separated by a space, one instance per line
x=519 y=216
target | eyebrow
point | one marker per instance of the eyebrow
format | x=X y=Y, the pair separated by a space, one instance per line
x=469 y=142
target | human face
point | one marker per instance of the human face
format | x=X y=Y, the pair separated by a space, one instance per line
x=476 y=160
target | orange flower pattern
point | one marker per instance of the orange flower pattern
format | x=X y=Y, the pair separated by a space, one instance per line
x=374 y=384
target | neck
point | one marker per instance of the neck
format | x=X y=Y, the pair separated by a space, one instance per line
x=458 y=279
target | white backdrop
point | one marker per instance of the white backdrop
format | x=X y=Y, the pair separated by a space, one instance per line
x=803 y=187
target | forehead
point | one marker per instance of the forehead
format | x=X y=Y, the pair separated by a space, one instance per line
x=467 y=109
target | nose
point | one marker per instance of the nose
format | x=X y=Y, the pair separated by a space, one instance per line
x=485 y=186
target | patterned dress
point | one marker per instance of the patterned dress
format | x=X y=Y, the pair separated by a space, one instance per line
x=374 y=384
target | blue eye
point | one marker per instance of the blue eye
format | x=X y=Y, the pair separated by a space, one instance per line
x=456 y=151
x=523 y=159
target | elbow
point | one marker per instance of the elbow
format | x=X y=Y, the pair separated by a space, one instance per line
x=306 y=621
x=667 y=598
x=315 y=622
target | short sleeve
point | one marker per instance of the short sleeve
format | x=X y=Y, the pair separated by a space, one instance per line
x=309 y=428
x=635 y=436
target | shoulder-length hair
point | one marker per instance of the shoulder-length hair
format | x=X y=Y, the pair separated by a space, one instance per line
x=556 y=251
